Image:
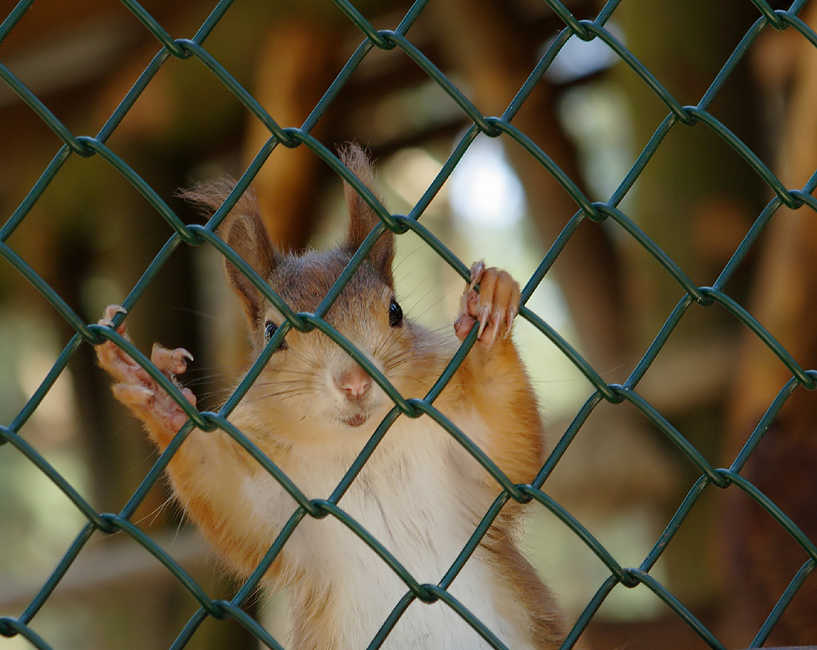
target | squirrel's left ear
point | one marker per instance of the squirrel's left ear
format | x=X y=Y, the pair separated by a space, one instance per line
x=244 y=232
x=361 y=216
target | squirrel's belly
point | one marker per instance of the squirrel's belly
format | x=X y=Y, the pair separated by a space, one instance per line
x=365 y=590
x=412 y=502
x=437 y=626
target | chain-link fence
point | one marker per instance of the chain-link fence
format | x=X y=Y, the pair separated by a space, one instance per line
x=678 y=117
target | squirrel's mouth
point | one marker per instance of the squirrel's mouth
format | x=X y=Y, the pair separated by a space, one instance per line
x=356 y=420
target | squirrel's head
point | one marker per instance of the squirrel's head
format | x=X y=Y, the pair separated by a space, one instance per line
x=310 y=372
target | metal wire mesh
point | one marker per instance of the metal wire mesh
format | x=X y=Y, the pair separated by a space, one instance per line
x=678 y=117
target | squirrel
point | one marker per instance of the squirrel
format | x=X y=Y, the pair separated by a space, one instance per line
x=311 y=411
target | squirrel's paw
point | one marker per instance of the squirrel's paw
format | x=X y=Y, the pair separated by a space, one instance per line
x=494 y=307
x=138 y=390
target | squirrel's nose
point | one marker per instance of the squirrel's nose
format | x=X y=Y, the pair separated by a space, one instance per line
x=354 y=382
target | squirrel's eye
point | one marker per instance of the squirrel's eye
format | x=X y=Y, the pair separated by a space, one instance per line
x=269 y=331
x=395 y=313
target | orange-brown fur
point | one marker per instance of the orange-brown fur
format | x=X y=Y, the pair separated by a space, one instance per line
x=491 y=387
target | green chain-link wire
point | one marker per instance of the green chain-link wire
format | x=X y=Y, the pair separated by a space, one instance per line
x=501 y=126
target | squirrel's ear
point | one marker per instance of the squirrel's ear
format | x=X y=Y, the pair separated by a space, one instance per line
x=246 y=235
x=244 y=232
x=361 y=216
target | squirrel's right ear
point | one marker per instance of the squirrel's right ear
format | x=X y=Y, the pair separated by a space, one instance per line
x=361 y=216
x=244 y=232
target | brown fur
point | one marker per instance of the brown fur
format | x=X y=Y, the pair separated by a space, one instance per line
x=362 y=217
x=492 y=387
x=245 y=233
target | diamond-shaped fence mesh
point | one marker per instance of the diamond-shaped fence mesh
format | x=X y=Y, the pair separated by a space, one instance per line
x=78 y=148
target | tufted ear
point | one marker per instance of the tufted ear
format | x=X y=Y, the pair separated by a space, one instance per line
x=361 y=216
x=244 y=232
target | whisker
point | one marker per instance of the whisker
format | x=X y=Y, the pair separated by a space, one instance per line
x=196 y=312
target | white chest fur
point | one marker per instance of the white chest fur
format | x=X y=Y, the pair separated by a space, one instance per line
x=414 y=501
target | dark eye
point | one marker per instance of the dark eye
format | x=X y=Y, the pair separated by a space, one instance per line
x=395 y=313
x=269 y=331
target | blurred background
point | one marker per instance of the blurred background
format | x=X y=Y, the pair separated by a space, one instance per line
x=91 y=235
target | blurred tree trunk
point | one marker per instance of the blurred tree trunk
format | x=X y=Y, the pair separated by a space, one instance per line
x=295 y=67
x=695 y=196
x=696 y=199
x=763 y=556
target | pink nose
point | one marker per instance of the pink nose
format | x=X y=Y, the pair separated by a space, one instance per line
x=354 y=382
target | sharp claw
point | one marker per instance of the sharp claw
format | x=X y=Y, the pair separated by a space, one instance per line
x=477 y=269
x=484 y=316
x=494 y=332
x=170 y=361
x=146 y=391
x=496 y=319
x=112 y=310
x=184 y=354
x=510 y=314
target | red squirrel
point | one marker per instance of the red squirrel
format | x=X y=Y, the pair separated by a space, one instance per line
x=311 y=411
